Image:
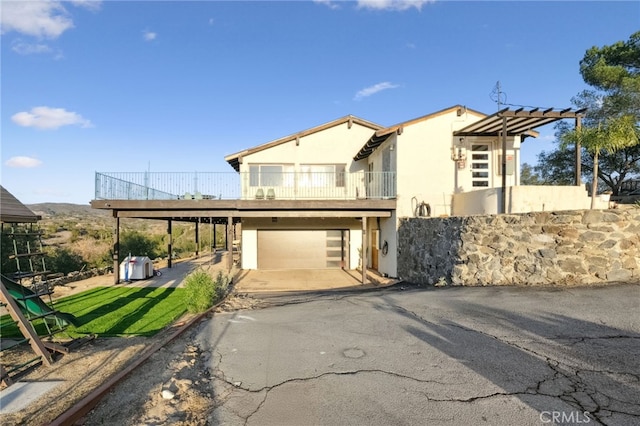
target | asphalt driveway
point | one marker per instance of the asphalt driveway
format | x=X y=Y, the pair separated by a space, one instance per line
x=450 y=356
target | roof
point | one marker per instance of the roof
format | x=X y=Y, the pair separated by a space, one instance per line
x=13 y=211
x=517 y=122
x=235 y=159
x=381 y=135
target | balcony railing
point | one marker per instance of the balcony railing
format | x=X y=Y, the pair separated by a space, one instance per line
x=244 y=186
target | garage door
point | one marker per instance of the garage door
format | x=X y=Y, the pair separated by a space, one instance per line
x=301 y=249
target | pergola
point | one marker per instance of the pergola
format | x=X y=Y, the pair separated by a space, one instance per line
x=521 y=122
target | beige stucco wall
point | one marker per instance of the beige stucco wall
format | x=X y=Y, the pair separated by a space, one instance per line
x=425 y=171
x=250 y=227
x=525 y=199
x=334 y=145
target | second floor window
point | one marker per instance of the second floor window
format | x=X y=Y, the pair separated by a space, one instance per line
x=271 y=175
x=322 y=175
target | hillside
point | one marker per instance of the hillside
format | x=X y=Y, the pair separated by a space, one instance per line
x=48 y=210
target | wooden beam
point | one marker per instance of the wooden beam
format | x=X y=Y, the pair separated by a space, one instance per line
x=257 y=213
x=541 y=114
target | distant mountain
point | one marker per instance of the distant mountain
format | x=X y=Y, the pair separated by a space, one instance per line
x=47 y=210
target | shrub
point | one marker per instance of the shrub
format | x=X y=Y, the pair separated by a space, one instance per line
x=222 y=285
x=202 y=291
x=62 y=259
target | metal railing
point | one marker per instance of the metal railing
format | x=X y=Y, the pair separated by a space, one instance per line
x=244 y=186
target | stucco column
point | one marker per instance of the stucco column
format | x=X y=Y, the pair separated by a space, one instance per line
x=364 y=250
x=116 y=251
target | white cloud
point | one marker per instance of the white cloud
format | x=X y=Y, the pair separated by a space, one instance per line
x=392 y=4
x=35 y=18
x=329 y=3
x=40 y=18
x=22 y=162
x=49 y=118
x=24 y=48
x=149 y=35
x=372 y=90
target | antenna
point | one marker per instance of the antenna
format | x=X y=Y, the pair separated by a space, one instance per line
x=498 y=96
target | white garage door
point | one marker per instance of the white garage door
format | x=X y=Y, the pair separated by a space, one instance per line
x=301 y=249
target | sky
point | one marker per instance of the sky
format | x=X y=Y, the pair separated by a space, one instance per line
x=130 y=86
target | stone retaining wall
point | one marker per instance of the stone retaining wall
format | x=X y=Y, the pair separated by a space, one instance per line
x=545 y=248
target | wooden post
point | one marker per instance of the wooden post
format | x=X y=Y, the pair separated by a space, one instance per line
x=170 y=244
x=504 y=165
x=116 y=251
x=364 y=250
x=198 y=237
x=230 y=242
x=578 y=153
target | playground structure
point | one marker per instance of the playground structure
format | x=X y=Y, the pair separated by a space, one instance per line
x=23 y=291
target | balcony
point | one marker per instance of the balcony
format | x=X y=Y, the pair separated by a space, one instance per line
x=244 y=186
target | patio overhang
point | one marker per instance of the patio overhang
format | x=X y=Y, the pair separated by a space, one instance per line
x=519 y=122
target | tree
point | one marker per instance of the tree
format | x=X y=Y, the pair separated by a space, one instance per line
x=615 y=70
x=611 y=153
x=529 y=176
x=138 y=245
x=611 y=135
x=62 y=259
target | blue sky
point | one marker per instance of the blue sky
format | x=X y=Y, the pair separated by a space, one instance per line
x=175 y=86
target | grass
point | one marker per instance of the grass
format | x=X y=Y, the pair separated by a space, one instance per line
x=115 y=311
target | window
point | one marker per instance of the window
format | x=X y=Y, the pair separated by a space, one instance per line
x=480 y=164
x=322 y=175
x=272 y=175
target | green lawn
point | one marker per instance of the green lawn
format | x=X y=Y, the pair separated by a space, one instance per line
x=115 y=311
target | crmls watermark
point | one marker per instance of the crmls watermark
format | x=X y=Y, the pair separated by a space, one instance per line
x=564 y=417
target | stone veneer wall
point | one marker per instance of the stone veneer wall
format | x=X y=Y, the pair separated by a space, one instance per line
x=544 y=248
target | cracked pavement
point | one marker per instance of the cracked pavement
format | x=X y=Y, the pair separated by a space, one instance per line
x=407 y=356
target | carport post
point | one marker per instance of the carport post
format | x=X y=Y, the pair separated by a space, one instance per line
x=197 y=237
x=170 y=244
x=116 y=251
x=364 y=250
x=230 y=242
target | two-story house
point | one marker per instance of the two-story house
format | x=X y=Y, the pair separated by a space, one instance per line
x=332 y=196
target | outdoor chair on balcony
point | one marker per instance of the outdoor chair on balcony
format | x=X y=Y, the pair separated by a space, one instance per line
x=271 y=194
x=259 y=194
